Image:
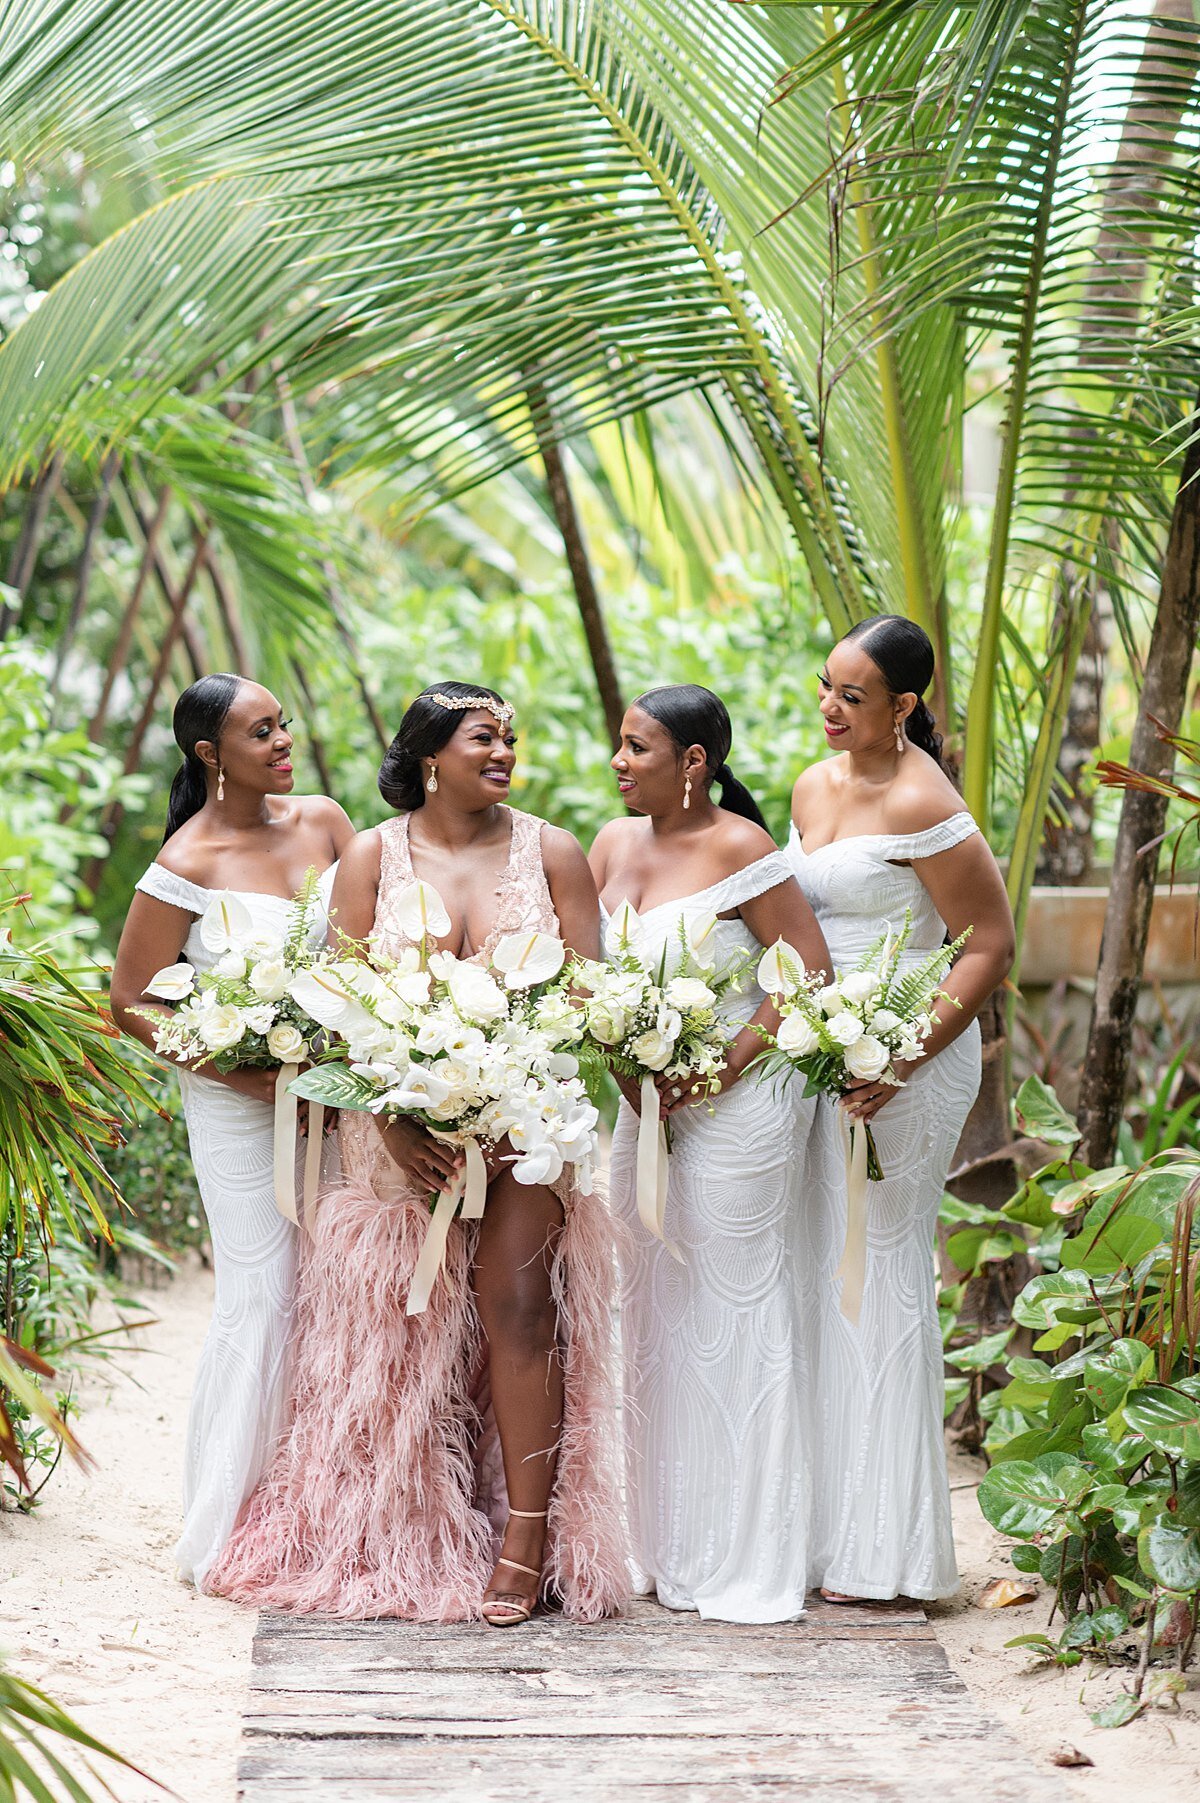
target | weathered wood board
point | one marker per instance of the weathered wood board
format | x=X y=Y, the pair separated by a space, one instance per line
x=847 y=1703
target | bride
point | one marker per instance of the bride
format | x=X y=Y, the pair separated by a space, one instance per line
x=232 y=823
x=877 y=829
x=718 y=1453
x=388 y=1498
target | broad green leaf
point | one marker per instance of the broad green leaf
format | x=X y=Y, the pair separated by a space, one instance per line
x=1169 y=1418
x=1043 y=1116
x=1110 y=1376
x=983 y=1353
x=1127 y=1708
x=336 y=1086
x=1023 y=1497
x=1057 y=1297
x=1170 y=1553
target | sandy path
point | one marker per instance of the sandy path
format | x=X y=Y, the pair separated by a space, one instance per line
x=89 y=1608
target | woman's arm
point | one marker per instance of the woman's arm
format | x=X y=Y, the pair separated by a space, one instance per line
x=356 y=888
x=153 y=938
x=573 y=892
x=967 y=890
x=779 y=913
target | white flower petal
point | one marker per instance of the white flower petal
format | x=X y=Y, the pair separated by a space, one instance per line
x=225 y=924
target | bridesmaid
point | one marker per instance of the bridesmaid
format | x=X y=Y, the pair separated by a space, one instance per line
x=879 y=828
x=387 y=1498
x=232 y=823
x=718 y=1453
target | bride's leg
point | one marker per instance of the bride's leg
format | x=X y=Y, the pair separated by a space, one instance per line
x=517 y=1237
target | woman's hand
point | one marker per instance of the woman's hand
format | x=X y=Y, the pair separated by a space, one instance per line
x=630 y=1090
x=865 y=1096
x=258 y=1085
x=685 y=1092
x=428 y=1163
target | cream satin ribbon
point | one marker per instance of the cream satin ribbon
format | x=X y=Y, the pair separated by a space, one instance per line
x=286 y=1114
x=469 y=1188
x=652 y=1167
x=852 y=1268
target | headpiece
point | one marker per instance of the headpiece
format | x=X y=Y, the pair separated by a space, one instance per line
x=503 y=710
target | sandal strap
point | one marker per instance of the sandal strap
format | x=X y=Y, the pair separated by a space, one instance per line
x=528 y=1569
x=529 y=1514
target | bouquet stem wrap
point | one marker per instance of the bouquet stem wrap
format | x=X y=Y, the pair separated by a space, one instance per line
x=652 y=1166
x=469 y=1188
x=286 y=1114
x=852 y=1267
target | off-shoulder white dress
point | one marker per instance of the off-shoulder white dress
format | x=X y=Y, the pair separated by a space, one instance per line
x=715 y=1374
x=239 y=1404
x=881 y=1502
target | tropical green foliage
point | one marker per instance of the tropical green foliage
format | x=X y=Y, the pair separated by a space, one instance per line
x=32 y=1728
x=1094 y=1441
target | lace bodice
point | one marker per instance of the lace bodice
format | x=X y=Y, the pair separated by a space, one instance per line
x=267 y=911
x=732 y=938
x=523 y=903
x=859 y=885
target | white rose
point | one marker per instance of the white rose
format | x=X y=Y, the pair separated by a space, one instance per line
x=287 y=1043
x=432 y=1035
x=269 y=979
x=260 y=1019
x=221 y=1027
x=233 y=964
x=829 y=999
x=476 y=995
x=652 y=1049
x=413 y=987
x=845 y=1027
x=607 y=1022
x=173 y=983
x=859 y=986
x=688 y=992
x=883 y=1021
x=868 y=1057
x=797 y=1035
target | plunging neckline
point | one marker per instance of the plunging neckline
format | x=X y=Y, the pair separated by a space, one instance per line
x=495 y=933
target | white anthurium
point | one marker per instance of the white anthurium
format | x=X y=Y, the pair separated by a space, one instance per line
x=780 y=969
x=702 y=937
x=325 y=995
x=420 y=911
x=524 y=959
x=172 y=983
x=625 y=928
x=226 y=924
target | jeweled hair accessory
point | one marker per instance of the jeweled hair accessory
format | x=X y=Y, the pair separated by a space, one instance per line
x=459 y=704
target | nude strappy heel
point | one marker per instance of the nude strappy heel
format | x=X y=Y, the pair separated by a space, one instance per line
x=510 y=1611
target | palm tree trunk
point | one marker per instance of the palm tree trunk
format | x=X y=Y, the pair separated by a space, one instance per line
x=29 y=543
x=590 y=611
x=83 y=571
x=118 y=657
x=1143 y=817
x=115 y=811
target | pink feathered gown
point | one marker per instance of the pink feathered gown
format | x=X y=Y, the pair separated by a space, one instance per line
x=386 y=1497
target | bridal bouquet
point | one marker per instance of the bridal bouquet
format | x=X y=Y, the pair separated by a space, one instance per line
x=477 y=1056
x=642 y=1023
x=854 y=1027
x=241 y=1013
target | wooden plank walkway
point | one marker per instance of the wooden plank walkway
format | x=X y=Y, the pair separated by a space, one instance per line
x=847 y=1703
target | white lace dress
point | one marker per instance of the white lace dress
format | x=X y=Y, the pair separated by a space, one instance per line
x=239 y=1404
x=881 y=1503
x=715 y=1385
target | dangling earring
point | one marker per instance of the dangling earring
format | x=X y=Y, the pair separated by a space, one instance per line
x=687 y=793
x=431 y=785
x=220 y=783
x=900 y=739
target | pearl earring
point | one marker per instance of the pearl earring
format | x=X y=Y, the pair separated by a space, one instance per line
x=432 y=784
x=900 y=740
x=687 y=793
x=220 y=783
